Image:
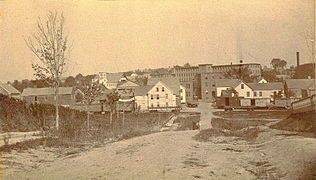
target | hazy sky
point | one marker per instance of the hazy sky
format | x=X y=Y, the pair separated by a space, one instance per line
x=115 y=36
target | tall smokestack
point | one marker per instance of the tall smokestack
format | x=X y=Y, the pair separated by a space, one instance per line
x=297 y=59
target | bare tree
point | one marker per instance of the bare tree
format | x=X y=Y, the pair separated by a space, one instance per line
x=49 y=46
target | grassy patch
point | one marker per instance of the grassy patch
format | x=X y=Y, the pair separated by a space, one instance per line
x=231 y=124
x=188 y=122
x=248 y=134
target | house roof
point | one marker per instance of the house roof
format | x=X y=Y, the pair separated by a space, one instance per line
x=300 y=83
x=127 y=83
x=142 y=90
x=266 y=86
x=172 y=82
x=113 y=77
x=9 y=88
x=262 y=79
x=227 y=82
x=46 y=91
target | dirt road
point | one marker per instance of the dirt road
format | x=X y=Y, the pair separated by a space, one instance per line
x=206 y=115
x=168 y=155
x=175 y=155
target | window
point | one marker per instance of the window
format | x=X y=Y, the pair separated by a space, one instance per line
x=166 y=96
x=213 y=93
x=167 y=104
x=157 y=89
x=152 y=105
x=158 y=104
x=255 y=94
x=35 y=98
x=181 y=90
x=242 y=86
x=157 y=96
x=151 y=96
x=260 y=93
x=248 y=94
x=163 y=89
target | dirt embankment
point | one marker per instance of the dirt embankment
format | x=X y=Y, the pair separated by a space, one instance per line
x=272 y=153
x=301 y=122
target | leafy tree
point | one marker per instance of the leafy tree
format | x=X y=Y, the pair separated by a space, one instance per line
x=278 y=63
x=90 y=93
x=49 y=45
x=270 y=76
x=39 y=83
x=186 y=65
x=70 y=81
x=111 y=100
x=242 y=73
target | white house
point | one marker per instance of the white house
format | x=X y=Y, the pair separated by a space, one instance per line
x=158 y=96
x=244 y=90
x=266 y=90
x=109 y=80
x=250 y=90
x=241 y=88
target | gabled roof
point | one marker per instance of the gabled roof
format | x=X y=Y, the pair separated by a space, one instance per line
x=227 y=82
x=266 y=86
x=142 y=90
x=113 y=77
x=127 y=83
x=9 y=88
x=300 y=83
x=46 y=91
x=172 y=82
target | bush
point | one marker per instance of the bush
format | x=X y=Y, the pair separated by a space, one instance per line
x=15 y=115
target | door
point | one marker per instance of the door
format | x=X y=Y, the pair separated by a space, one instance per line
x=252 y=102
x=226 y=101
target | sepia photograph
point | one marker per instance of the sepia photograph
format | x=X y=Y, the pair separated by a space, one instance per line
x=157 y=90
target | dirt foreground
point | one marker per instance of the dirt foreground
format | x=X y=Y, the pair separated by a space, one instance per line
x=174 y=155
x=268 y=154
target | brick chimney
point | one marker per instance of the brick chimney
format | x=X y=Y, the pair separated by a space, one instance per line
x=297 y=59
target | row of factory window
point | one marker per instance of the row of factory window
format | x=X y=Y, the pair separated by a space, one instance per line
x=186 y=74
x=188 y=69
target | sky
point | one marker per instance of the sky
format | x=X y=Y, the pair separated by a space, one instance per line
x=112 y=36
